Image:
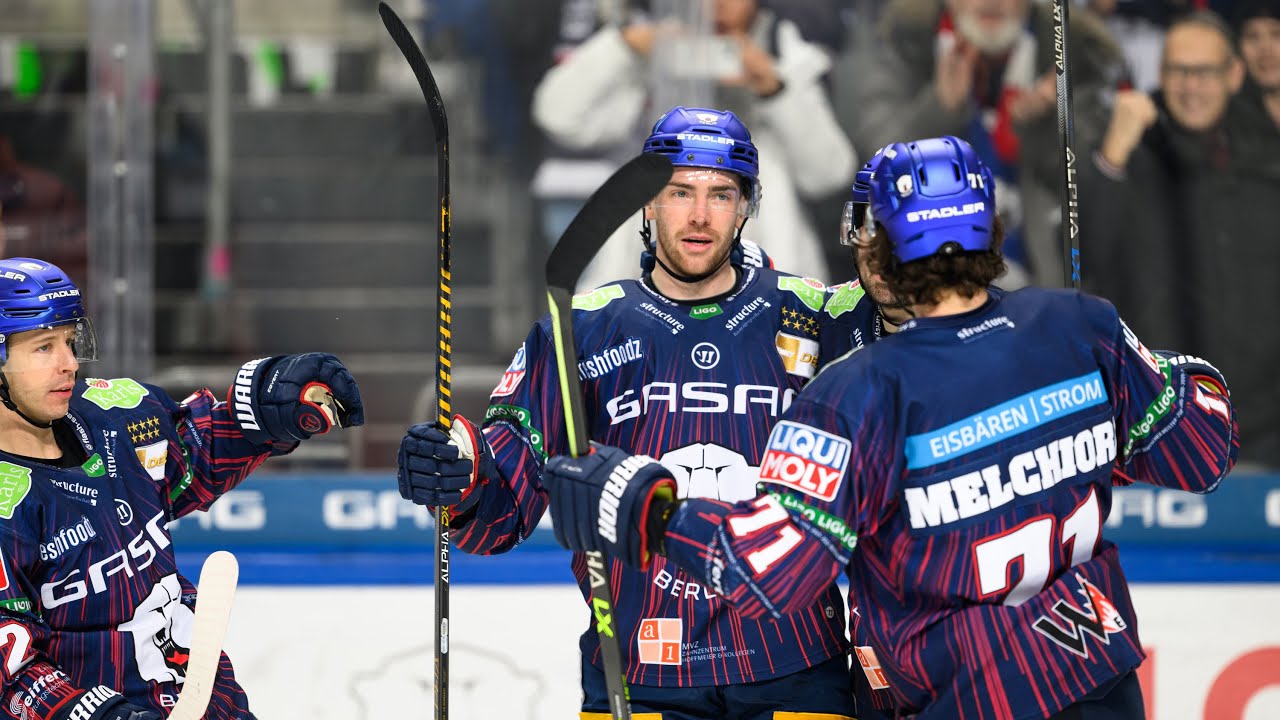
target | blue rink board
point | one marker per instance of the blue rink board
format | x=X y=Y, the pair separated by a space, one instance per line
x=356 y=530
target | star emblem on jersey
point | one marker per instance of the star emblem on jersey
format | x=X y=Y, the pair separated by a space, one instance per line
x=144 y=430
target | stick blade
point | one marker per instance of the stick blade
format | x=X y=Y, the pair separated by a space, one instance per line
x=215 y=596
x=418 y=62
x=620 y=197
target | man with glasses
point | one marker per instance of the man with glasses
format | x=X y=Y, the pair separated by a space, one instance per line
x=1178 y=210
x=692 y=363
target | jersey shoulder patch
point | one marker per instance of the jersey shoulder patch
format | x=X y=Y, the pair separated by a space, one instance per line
x=124 y=393
x=597 y=299
x=810 y=291
x=843 y=298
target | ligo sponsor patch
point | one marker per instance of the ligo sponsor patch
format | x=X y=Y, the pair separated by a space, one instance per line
x=805 y=459
x=15 y=483
x=123 y=393
x=799 y=355
x=153 y=458
x=658 y=641
x=512 y=377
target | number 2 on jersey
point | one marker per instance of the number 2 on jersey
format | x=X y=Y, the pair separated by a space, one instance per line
x=1032 y=542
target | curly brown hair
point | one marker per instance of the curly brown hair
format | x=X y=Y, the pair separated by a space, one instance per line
x=922 y=281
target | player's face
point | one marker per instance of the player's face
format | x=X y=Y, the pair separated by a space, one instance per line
x=1260 y=46
x=41 y=371
x=696 y=216
x=873 y=283
x=1198 y=76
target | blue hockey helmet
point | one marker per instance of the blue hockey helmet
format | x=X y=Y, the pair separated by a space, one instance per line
x=707 y=138
x=933 y=195
x=37 y=295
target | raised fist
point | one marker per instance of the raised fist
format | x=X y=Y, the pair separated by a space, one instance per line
x=289 y=398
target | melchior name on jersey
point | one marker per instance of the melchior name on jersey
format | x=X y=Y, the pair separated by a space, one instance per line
x=1028 y=473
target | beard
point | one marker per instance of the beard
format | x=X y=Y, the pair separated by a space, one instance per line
x=994 y=43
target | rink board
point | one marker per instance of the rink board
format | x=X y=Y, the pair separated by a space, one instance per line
x=334 y=616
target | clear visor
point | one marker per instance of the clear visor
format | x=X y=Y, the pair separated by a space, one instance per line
x=48 y=345
x=719 y=192
x=855 y=217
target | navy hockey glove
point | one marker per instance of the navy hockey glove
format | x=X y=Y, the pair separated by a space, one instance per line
x=102 y=703
x=1206 y=375
x=601 y=501
x=288 y=398
x=437 y=469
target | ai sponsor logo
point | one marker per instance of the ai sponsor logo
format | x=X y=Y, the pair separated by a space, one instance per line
x=806 y=459
x=705 y=355
x=513 y=375
x=658 y=641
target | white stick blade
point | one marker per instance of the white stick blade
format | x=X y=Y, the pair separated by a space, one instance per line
x=216 y=593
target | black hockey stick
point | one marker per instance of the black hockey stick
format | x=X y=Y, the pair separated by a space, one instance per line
x=621 y=196
x=1070 y=226
x=444 y=340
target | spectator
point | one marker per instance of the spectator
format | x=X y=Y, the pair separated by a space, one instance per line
x=1141 y=23
x=1178 y=218
x=598 y=98
x=983 y=70
x=1257 y=24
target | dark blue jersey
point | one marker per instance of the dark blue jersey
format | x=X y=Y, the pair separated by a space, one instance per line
x=90 y=593
x=970 y=459
x=850 y=321
x=698 y=386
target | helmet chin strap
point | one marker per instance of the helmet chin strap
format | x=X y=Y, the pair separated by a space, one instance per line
x=647 y=236
x=9 y=403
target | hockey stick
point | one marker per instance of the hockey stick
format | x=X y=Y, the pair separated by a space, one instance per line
x=621 y=196
x=214 y=596
x=1070 y=225
x=444 y=339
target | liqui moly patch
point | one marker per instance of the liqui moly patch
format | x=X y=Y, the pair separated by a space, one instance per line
x=512 y=377
x=806 y=459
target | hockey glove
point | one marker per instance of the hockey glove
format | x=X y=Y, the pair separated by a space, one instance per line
x=288 y=398
x=1205 y=375
x=601 y=501
x=102 y=703
x=438 y=469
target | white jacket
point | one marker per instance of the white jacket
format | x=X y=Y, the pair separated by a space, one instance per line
x=596 y=99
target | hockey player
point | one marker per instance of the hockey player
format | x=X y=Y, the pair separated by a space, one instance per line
x=694 y=362
x=850 y=322
x=977 y=500
x=96 y=617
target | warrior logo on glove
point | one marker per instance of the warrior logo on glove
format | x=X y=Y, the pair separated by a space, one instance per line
x=289 y=398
